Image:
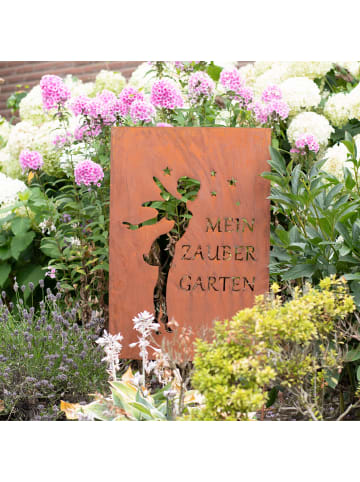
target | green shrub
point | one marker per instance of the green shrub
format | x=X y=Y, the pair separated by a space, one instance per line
x=316 y=229
x=294 y=345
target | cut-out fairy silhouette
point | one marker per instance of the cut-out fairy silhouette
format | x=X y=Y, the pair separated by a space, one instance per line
x=162 y=250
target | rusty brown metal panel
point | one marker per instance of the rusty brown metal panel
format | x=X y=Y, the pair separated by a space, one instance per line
x=214 y=272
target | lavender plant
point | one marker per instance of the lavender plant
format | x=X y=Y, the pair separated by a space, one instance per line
x=45 y=355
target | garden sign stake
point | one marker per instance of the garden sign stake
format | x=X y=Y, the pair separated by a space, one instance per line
x=189 y=226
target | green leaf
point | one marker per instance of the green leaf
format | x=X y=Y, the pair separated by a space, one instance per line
x=50 y=248
x=332 y=193
x=277 y=162
x=295 y=176
x=275 y=178
x=5 y=253
x=214 y=71
x=299 y=271
x=5 y=269
x=98 y=410
x=275 y=142
x=32 y=273
x=20 y=243
x=353 y=355
x=145 y=413
x=358 y=373
x=124 y=389
x=349 y=181
x=341 y=228
x=352 y=276
x=20 y=225
x=332 y=378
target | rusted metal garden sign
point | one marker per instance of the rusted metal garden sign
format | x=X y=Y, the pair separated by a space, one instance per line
x=189 y=225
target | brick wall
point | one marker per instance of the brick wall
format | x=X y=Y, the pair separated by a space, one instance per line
x=30 y=73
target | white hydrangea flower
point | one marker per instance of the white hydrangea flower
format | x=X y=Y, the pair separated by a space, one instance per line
x=247 y=72
x=109 y=80
x=352 y=66
x=337 y=109
x=5 y=129
x=26 y=135
x=78 y=87
x=336 y=159
x=310 y=69
x=22 y=136
x=354 y=103
x=8 y=165
x=4 y=157
x=31 y=108
x=261 y=66
x=278 y=72
x=273 y=76
x=9 y=190
x=300 y=93
x=310 y=123
x=142 y=78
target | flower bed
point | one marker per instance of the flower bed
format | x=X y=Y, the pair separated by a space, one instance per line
x=54 y=204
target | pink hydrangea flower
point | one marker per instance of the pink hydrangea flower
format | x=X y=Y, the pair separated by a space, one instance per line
x=260 y=111
x=278 y=108
x=231 y=80
x=271 y=93
x=273 y=110
x=103 y=107
x=80 y=105
x=163 y=124
x=88 y=172
x=86 y=130
x=62 y=139
x=141 y=111
x=179 y=64
x=30 y=160
x=127 y=96
x=304 y=143
x=165 y=94
x=244 y=95
x=200 y=84
x=54 y=92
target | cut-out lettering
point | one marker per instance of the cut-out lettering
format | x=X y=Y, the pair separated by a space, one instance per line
x=213 y=227
x=187 y=249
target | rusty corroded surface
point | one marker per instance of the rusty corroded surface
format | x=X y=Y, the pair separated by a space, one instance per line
x=221 y=262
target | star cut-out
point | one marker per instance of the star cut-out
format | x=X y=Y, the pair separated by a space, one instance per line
x=232 y=181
